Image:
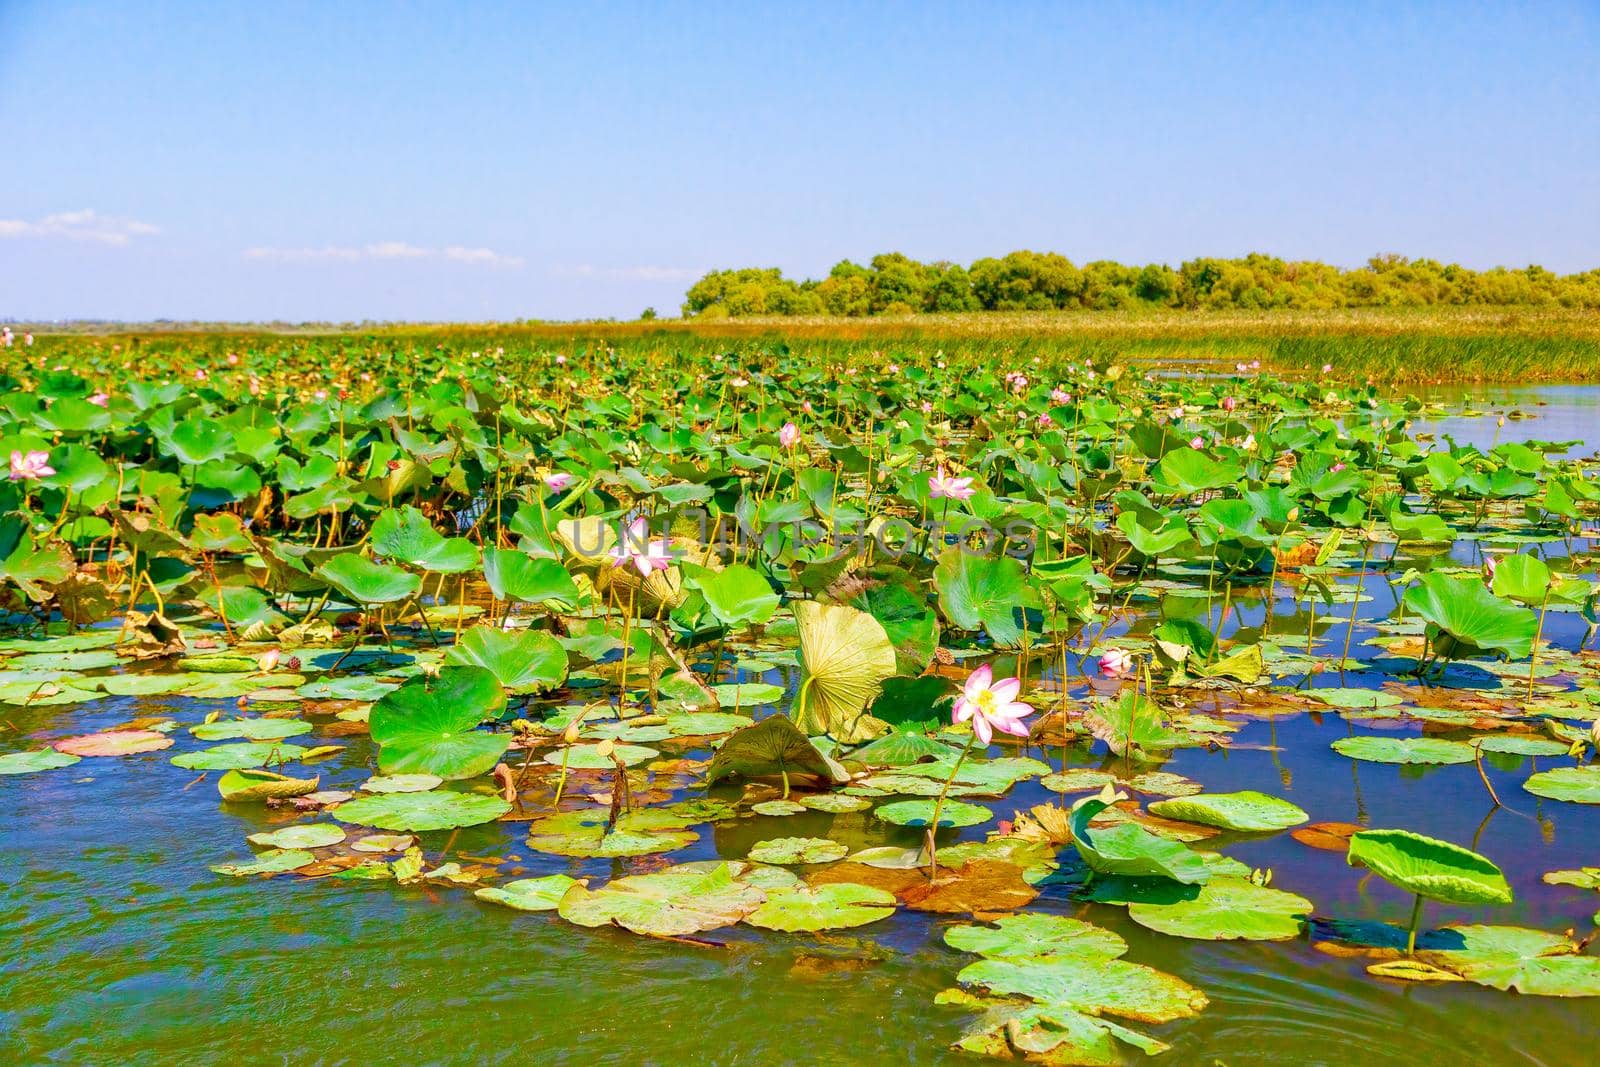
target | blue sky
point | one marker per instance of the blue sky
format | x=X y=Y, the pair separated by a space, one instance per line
x=471 y=161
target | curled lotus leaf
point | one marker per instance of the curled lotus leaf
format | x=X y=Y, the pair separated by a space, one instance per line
x=1429 y=867
x=249 y=784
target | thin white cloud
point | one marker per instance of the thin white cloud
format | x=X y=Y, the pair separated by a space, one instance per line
x=85 y=225
x=383 y=250
x=629 y=274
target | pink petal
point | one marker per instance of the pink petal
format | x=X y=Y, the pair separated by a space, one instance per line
x=980 y=726
x=1012 y=727
x=1006 y=691
x=978 y=682
x=963 y=711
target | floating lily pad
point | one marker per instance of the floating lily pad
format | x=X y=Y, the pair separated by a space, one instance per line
x=250 y=729
x=1580 y=785
x=589 y=758
x=1036 y=937
x=307 y=835
x=429 y=725
x=1521 y=745
x=835 y=803
x=437 y=810
x=273 y=861
x=401 y=783
x=1228 y=909
x=919 y=813
x=836 y=906
x=1404 y=750
x=584 y=833
x=687 y=899
x=113 y=743
x=777 y=808
x=44 y=759
x=783 y=850
x=240 y=755
x=530 y=894
x=1246 y=811
x=384 y=843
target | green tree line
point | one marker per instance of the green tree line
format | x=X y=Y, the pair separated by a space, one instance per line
x=893 y=284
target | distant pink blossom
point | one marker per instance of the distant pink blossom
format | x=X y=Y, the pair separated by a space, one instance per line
x=1197 y=442
x=789 y=435
x=637 y=549
x=1229 y=403
x=942 y=485
x=1116 y=663
x=557 y=481
x=1059 y=395
x=100 y=399
x=30 y=465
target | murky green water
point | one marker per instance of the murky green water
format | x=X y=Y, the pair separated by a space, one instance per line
x=117 y=945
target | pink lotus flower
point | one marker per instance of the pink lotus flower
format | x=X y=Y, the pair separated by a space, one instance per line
x=1045 y=419
x=992 y=705
x=927 y=407
x=637 y=548
x=1327 y=368
x=1336 y=468
x=942 y=485
x=233 y=359
x=806 y=407
x=1059 y=395
x=1116 y=663
x=1229 y=403
x=1249 y=443
x=100 y=399
x=557 y=481
x=30 y=465
x=1489 y=565
x=893 y=368
x=27 y=339
x=200 y=374
x=560 y=359
x=1196 y=442
x=268 y=660
x=788 y=435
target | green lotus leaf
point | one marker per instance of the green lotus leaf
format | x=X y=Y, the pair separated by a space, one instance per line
x=305 y=835
x=1353 y=698
x=687 y=899
x=1045 y=1033
x=239 y=756
x=1428 y=867
x=405 y=534
x=705 y=723
x=1466 y=619
x=835 y=906
x=845 y=658
x=835 y=803
x=524 y=661
x=530 y=894
x=1530 y=962
x=919 y=813
x=588 y=757
x=1134 y=726
x=43 y=759
x=1580 y=785
x=1092 y=985
x=1521 y=745
x=515 y=575
x=1228 y=909
x=584 y=833
x=401 y=783
x=273 y=861
x=783 y=850
x=988 y=593
x=436 y=810
x=1246 y=811
x=901 y=748
x=429 y=725
x=1586 y=878
x=772 y=747
x=737 y=595
x=1130 y=850
x=747 y=694
x=384 y=843
x=250 y=729
x=779 y=808
x=1404 y=750
x=366 y=582
x=1036 y=937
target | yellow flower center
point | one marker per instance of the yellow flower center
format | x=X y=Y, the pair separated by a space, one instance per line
x=985 y=702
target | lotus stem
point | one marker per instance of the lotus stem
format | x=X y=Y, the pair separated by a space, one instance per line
x=1477 y=759
x=1416 y=919
x=938 y=809
x=1538 y=634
